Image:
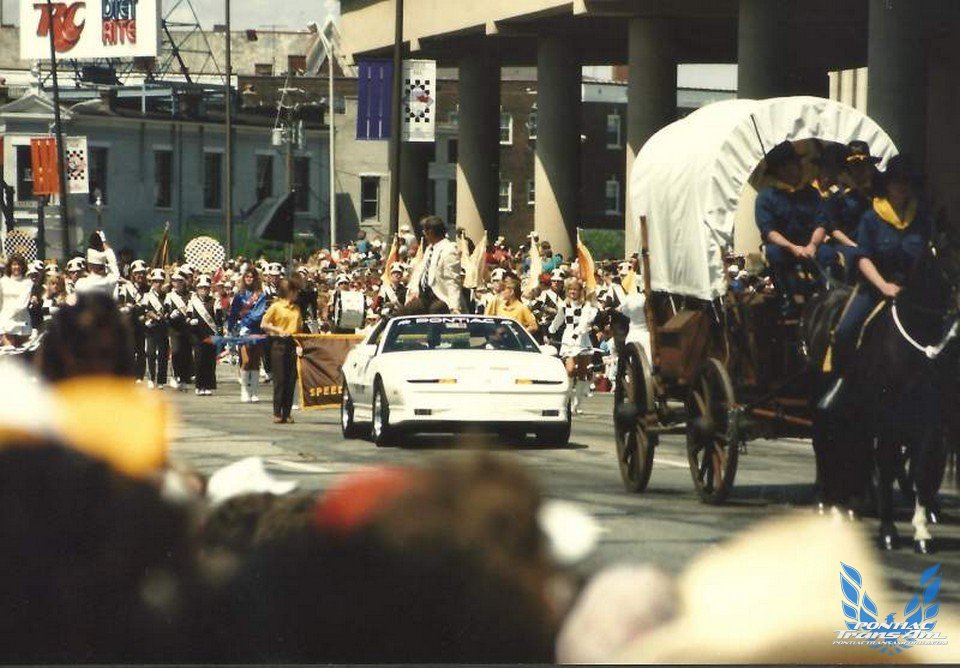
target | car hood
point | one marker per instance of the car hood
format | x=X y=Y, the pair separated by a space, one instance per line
x=467 y=364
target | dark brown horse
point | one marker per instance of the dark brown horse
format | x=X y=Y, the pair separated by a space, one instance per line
x=891 y=404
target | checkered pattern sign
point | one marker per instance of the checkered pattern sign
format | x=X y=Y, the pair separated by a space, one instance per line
x=23 y=241
x=419 y=104
x=75 y=156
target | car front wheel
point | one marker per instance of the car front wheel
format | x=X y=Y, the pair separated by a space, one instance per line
x=348 y=424
x=382 y=434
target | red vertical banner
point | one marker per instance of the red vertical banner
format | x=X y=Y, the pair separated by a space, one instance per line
x=43 y=159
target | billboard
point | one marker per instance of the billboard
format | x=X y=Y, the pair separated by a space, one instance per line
x=89 y=29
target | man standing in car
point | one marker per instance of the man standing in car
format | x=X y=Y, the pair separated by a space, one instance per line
x=436 y=283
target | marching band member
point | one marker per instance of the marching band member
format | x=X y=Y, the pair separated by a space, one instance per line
x=393 y=294
x=181 y=350
x=576 y=317
x=246 y=312
x=139 y=286
x=102 y=273
x=282 y=321
x=35 y=273
x=155 y=327
x=206 y=320
x=127 y=297
x=75 y=270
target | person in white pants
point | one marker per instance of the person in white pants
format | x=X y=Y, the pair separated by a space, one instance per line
x=576 y=317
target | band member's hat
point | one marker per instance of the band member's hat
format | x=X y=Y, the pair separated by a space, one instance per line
x=498 y=274
x=396 y=268
x=859 y=151
x=624 y=268
x=557 y=275
x=36 y=267
x=95 y=257
x=179 y=275
x=342 y=278
x=137 y=266
x=782 y=154
x=203 y=282
x=186 y=270
x=75 y=264
x=157 y=275
x=275 y=269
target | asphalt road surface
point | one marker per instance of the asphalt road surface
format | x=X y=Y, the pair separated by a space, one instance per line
x=666 y=525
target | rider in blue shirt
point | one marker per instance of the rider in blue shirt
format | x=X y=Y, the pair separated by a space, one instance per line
x=786 y=215
x=891 y=237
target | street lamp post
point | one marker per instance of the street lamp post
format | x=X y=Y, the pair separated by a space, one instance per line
x=58 y=131
x=228 y=141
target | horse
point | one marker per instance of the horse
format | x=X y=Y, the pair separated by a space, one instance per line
x=895 y=384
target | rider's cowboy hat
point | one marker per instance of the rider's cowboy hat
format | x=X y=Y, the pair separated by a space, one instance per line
x=782 y=154
x=859 y=151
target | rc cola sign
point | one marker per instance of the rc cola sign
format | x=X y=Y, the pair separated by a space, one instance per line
x=88 y=29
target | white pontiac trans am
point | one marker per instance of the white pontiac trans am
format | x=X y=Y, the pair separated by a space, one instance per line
x=445 y=373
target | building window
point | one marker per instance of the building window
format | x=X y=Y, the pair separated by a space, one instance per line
x=453 y=151
x=97 y=170
x=263 y=69
x=163 y=179
x=532 y=122
x=506 y=196
x=453 y=117
x=296 y=65
x=506 y=129
x=24 y=174
x=612 y=197
x=531 y=192
x=613 y=131
x=212 y=181
x=369 y=197
x=301 y=183
x=264 y=177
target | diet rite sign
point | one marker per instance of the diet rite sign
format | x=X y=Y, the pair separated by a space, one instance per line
x=89 y=29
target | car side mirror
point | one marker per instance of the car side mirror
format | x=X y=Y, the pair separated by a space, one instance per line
x=547 y=349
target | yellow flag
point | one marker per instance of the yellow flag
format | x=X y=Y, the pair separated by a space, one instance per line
x=391 y=258
x=588 y=268
x=629 y=282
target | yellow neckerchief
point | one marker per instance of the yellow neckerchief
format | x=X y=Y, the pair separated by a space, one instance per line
x=786 y=187
x=824 y=192
x=883 y=208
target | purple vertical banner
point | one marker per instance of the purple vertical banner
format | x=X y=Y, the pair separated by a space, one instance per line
x=374 y=91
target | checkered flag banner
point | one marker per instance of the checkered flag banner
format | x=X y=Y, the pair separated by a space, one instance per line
x=75 y=156
x=22 y=241
x=205 y=253
x=419 y=102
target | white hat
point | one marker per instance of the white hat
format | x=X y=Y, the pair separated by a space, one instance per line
x=404 y=228
x=186 y=269
x=624 y=268
x=53 y=270
x=342 y=278
x=733 y=269
x=157 y=275
x=248 y=476
x=36 y=267
x=75 y=264
x=275 y=269
x=96 y=257
x=138 y=265
x=179 y=275
x=498 y=274
x=396 y=267
x=557 y=275
x=203 y=281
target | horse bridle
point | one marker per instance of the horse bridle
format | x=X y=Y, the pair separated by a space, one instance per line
x=931 y=352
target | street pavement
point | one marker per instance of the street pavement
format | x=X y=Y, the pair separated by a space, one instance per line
x=666 y=525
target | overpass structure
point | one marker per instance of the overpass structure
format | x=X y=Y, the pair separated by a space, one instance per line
x=782 y=47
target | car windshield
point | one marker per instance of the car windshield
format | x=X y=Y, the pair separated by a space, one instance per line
x=446 y=333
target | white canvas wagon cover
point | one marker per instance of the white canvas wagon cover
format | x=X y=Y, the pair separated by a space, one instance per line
x=689 y=178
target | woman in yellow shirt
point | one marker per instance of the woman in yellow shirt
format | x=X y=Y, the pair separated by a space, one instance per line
x=281 y=321
x=508 y=305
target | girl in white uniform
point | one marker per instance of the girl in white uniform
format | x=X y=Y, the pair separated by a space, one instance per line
x=576 y=316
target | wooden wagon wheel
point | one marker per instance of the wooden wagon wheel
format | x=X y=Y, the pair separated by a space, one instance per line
x=633 y=401
x=713 y=447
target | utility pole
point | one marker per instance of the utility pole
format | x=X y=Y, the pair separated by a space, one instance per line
x=58 y=131
x=395 y=138
x=228 y=141
x=333 y=151
x=291 y=186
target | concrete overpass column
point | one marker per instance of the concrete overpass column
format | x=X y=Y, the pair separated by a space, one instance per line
x=414 y=182
x=557 y=171
x=478 y=161
x=897 y=61
x=651 y=96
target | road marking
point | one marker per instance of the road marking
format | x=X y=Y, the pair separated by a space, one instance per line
x=671 y=462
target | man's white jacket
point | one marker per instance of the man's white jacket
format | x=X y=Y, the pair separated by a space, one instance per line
x=443 y=273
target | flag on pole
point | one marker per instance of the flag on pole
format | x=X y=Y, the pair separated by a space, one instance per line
x=78 y=181
x=536 y=267
x=588 y=268
x=374 y=92
x=629 y=282
x=419 y=103
x=162 y=254
x=43 y=161
x=392 y=257
x=473 y=263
